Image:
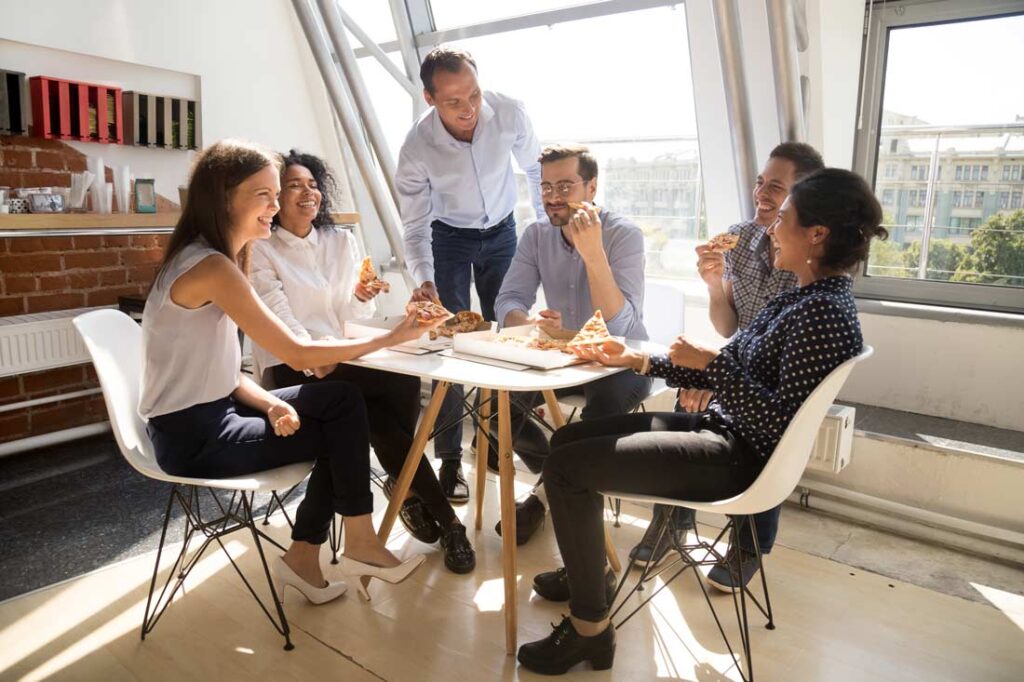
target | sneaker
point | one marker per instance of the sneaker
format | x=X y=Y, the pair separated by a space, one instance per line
x=453 y=483
x=677 y=518
x=415 y=517
x=459 y=556
x=727 y=574
x=529 y=517
x=554 y=585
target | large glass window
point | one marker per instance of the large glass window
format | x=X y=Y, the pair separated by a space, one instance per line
x=452 y=13
x=972 y=235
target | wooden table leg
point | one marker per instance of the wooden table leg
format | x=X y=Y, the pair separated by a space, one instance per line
x=482 y=445
x=412 y=461
x=508 y=518
x=559 y=420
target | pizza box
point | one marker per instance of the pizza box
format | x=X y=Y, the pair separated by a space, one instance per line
x=482 y=344
x=378 y=326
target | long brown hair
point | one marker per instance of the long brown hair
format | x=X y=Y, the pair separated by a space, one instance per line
x=216 y=173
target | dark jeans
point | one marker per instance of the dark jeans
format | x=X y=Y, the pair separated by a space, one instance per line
x=685 y=456
x=766 y=523
x=459 y=256
x=607 y=397
x=392 y=404
x=224 y=438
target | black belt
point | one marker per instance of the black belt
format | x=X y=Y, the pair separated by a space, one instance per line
x=504 y=222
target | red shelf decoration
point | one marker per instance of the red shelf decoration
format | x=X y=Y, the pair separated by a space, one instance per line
x=70 y=110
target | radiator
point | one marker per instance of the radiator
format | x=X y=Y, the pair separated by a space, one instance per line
x=834 y=444
x=38 y=341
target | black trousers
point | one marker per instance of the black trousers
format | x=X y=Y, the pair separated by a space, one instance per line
x=393 y=405
x=675 y=455
x=225 y=438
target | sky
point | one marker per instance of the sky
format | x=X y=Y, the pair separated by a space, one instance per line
x=957 y=74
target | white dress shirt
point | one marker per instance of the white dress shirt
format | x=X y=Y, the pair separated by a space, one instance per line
x=309 y=283
x=463 y=184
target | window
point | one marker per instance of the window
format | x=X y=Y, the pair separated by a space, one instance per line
x=972 y=127
x=650 y=171
x=887 y=197
x=890 y=171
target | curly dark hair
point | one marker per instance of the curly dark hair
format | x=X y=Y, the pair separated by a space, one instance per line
x=844 y=203
x=325 y=182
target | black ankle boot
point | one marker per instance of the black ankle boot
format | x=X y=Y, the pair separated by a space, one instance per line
x=565 y=647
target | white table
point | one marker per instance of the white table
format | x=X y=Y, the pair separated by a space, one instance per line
x=451 y=370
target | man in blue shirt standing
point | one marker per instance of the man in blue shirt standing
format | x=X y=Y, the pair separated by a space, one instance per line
x=585 y=259
x=457 y=193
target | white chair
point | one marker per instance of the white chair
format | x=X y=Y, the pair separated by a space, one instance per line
x=114 y=342
x=773 y=485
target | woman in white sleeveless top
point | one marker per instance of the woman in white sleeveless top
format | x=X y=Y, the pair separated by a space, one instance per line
x=207 y=419
x=307 y=272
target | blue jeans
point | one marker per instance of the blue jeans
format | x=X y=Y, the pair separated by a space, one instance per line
x=460 y=256
x=766 y=523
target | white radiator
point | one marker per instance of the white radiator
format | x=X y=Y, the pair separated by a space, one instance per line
x=834 y=444
x=38 y=341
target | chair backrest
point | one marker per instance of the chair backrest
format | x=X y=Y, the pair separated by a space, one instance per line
x=786 y=465
x=664 y=311
x=114 y=342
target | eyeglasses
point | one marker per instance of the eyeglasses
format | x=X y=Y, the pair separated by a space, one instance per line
x=559 y=188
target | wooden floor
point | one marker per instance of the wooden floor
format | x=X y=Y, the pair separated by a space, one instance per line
x=833 y=623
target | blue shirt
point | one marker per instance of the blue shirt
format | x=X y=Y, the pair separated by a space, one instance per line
x=463 y=184
x=544 y=258
x=755 y=281
x=764 y=374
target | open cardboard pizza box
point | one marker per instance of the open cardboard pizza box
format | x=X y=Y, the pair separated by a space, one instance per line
x=378 y=326
x=482 y=344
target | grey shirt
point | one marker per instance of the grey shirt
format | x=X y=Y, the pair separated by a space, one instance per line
x=544 y=259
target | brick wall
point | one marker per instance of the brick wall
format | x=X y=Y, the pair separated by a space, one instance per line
x=40 y=274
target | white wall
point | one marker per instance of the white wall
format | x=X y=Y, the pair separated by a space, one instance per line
x=968 y=372
x=256 y=77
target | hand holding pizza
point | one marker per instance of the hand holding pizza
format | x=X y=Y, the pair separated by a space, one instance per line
x=710 y=265
x=684 y=353
x=415 y=324
x=585 y=232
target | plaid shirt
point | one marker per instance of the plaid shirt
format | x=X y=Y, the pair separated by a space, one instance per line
x=754 y=280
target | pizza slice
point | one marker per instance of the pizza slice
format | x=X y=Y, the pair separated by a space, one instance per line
x=464 y=321
x=368 y=277
x=428 y=311
x=593 y=332
x=577 y=205
x=721 y=243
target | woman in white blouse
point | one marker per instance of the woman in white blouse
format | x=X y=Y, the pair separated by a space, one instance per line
x=308 y=274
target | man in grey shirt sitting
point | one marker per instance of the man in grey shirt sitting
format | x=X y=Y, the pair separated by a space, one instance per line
x=586 y=259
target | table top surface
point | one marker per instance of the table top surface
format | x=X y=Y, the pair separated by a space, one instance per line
x=440 y=367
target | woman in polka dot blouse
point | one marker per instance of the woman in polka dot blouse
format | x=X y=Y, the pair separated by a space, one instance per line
x=760 y=379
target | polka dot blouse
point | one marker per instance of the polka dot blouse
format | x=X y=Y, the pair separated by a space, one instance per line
x=764 y=374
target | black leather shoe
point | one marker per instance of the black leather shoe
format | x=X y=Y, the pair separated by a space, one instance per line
x=645 y=549
x=453 y=483
x=529 y=517
x=554 y=585
x=414 y=516
x=459 y=556
x=565 y=647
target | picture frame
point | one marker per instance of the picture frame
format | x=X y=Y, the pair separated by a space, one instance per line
x=45 y=203
x=145 y=195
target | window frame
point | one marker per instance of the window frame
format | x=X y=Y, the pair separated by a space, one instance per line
x=884 y=19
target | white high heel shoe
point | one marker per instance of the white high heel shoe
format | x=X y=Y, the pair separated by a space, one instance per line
x=355 y=570
x=284 y=576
